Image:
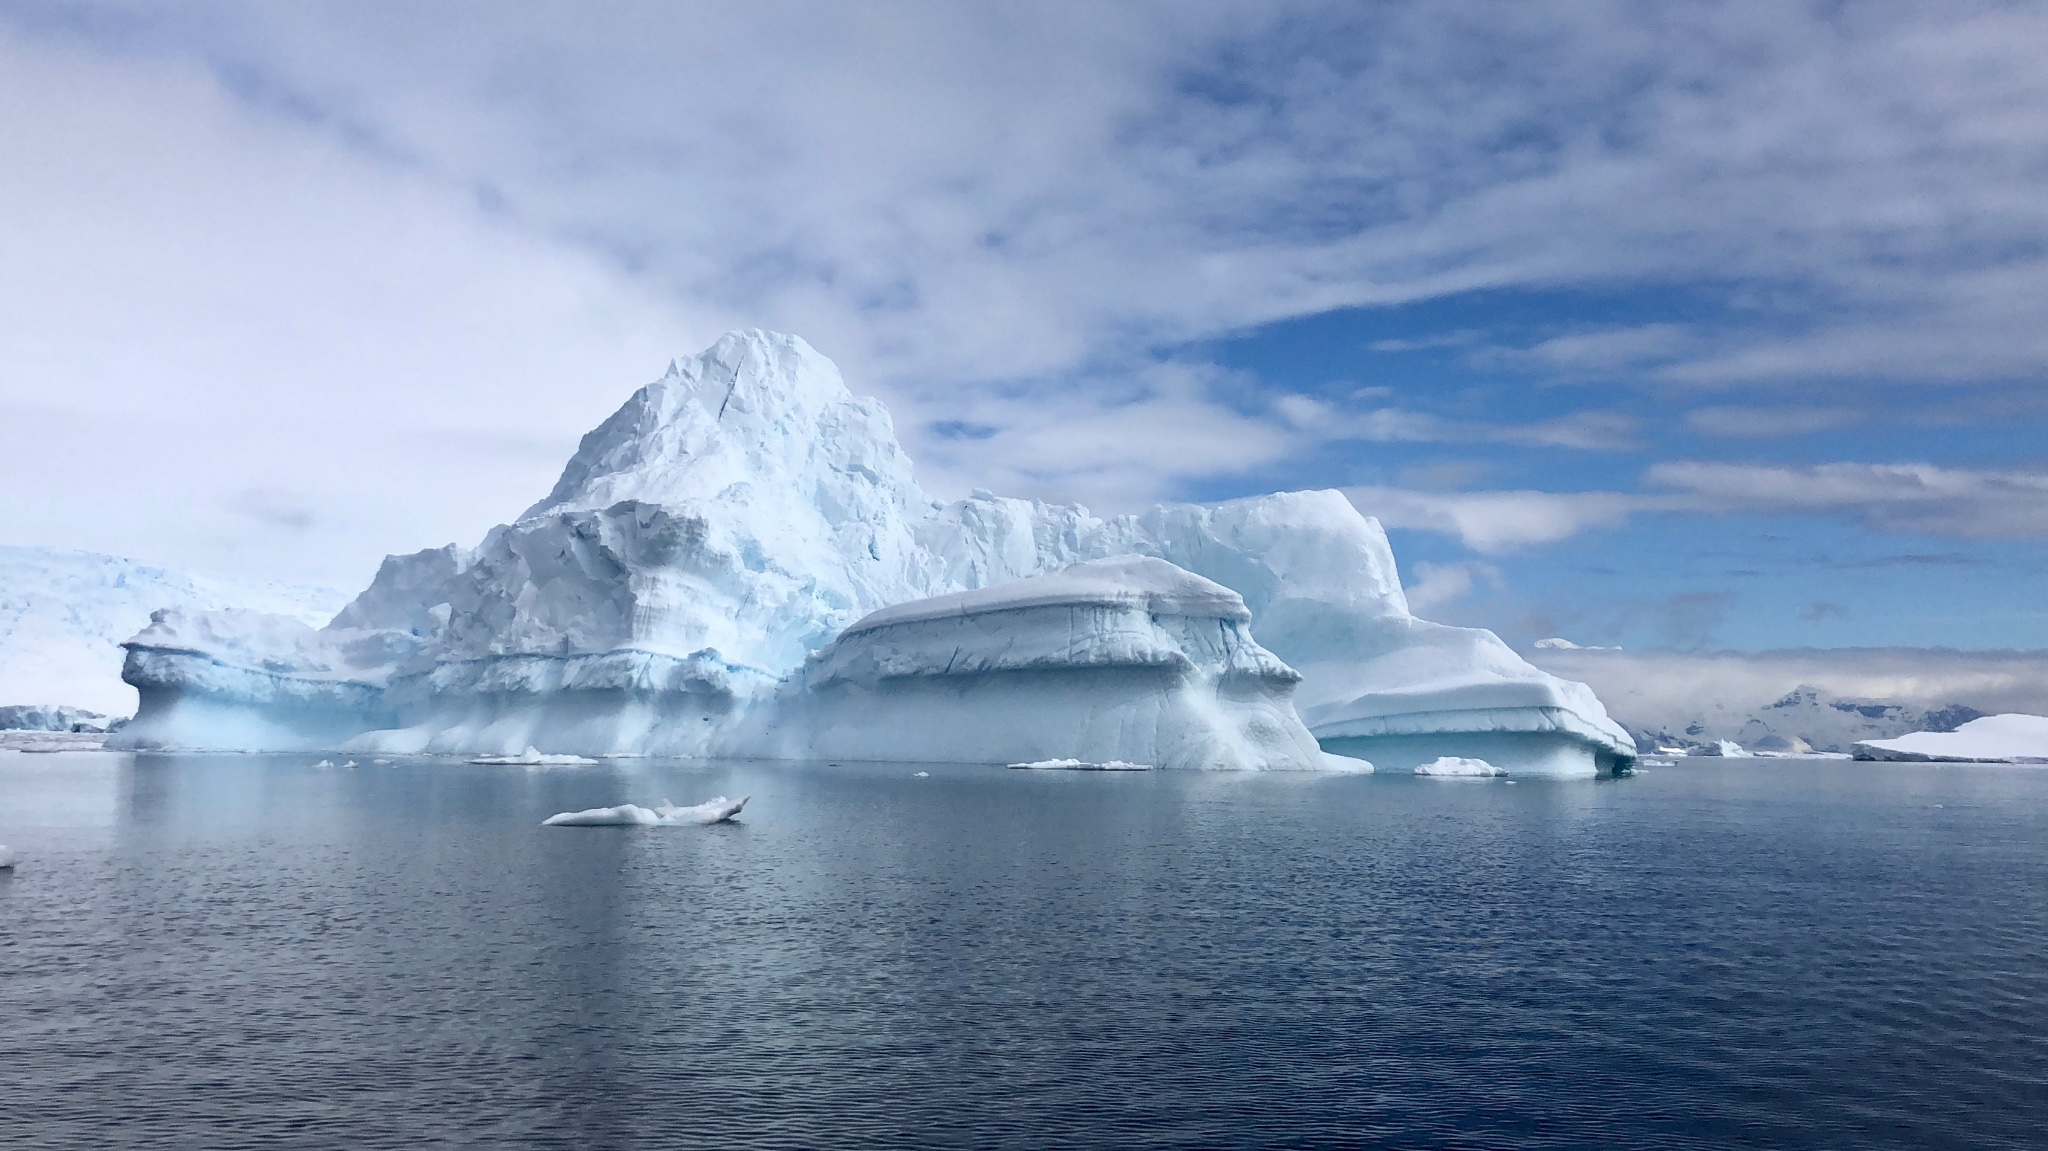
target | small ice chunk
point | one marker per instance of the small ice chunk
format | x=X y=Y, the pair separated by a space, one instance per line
x=325 y=763
x=380 y=762
x=7 y=858
x=532 y=757
x=1452 y=767
x=665 y=814
x=1082 y=766
x=924 y=775
x=1727 y=748
x=350 y=763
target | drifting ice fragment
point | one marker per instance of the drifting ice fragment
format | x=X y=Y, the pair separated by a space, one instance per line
x=324 y=763
x=1727 y=748
x=1452 y=767
x=717 y=810
x=1081 y=765
x=7 y=858
x=533 y=758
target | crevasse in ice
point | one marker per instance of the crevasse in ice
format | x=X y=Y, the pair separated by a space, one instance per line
x=685 y=586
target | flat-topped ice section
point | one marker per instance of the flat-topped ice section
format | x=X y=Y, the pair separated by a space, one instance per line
x=742 y=512
x=1129 y=659
x=245 y=680
x=2010 y=738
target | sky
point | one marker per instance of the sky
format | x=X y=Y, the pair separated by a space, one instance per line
x=1673 y=325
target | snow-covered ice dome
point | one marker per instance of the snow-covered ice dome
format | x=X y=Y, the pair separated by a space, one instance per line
x=735 y=517
x=2009 y=738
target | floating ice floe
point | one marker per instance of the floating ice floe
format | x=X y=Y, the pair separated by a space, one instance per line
x=325 y=763
x=924 y=775
x=7 y=858
x=1081 y=765
x=2009 y=738
x=532 y=757
x=1453 y=767
x=665 y=814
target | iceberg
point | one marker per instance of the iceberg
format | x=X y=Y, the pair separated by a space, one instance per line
x=1129 y=660
x=2010 y=738
x=7 y=858
x=719 y=810
x=714 y=574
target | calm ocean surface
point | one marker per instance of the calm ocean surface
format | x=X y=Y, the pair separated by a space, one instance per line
x=222 y=952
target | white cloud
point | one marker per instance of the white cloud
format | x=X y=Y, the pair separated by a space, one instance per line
x=276 y=249
x=948 y=193
x=1500 y=521
x=1117 y=443
x=232 y=346
x=1438 y=585
x=1769 y=422
x=1589 y=430
x=1956 y=502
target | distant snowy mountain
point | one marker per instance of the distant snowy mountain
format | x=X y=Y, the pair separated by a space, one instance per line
x=63 y=615
x=1795 y=700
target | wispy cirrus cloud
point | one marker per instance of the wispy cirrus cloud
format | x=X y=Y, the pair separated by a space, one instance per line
x=1588 y=430
x=1500 y=521
x=1922 y=499
x=371 y=218
x=1954 y=502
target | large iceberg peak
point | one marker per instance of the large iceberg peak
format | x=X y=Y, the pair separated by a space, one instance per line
x=755 y=410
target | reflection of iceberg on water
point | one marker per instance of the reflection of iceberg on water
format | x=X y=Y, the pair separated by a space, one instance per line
x=665 y=814
x=739 y=562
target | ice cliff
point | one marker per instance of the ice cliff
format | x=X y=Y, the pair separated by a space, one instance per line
x=1129 y=659
x=706 y=575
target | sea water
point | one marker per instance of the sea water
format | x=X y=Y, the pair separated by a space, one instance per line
x=248 y=951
